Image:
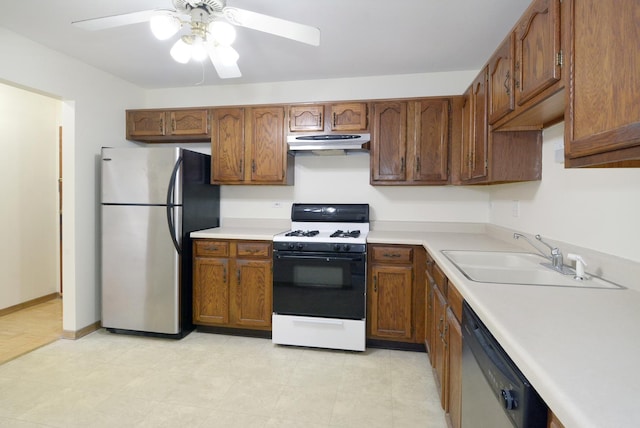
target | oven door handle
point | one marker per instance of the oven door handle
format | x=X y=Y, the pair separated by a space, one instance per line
x=329 y=259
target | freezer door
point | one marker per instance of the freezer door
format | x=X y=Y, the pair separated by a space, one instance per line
x=140 y=269
x=139 y=175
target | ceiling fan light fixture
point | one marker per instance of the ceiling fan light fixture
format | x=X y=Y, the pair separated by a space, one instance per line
x=222 y=32
x=181 y=51
x=164 y=25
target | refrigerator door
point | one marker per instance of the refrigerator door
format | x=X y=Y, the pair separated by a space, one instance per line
x=140 y=175
x=140 y=269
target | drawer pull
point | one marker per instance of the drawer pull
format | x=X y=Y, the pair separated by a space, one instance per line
x=392 y=255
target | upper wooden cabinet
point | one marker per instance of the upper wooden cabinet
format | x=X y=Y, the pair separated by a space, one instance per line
x=248 y=146
x=602 y=124
x=538 y=51
x=489 y=156
x=474 y=162
x=306 y=118
x=501 y=99
x=526 y=72
x=341 y=117
x=153 y=126
x=348 y=117
x=410 y=142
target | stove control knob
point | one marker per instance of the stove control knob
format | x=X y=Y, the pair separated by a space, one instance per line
x=300 y=245
x=347 y=247
x=509 y=399
x=291 y=246
x=336 y=247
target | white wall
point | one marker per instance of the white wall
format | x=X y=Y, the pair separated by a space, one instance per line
x=595 y=208
x=29 y=173
x=92 y=116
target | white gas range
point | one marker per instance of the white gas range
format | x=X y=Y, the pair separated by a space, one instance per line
x=319 y=277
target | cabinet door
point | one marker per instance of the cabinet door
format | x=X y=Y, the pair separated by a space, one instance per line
x=391 y=308
x=251 y=299
x=603 y=116
x=189 y=122
x=538 y=49
x=501 y=95
x=268 y=146
x=431 y=141
x=455 y=369
x=440 y=345
x=143 y=123
x=349 y=117
x=306 y=118
x=389 y=151
x=479 y=162
x=227 y=145
x=211 y=291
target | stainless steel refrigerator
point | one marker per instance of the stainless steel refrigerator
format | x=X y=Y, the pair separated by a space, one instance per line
x=152 y=198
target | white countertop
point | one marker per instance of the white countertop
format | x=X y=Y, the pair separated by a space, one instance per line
x=579 y=347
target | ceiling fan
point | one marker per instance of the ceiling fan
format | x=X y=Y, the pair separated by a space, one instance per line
x=210 y=31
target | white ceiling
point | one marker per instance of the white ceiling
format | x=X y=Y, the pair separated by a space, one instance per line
x=358 y=38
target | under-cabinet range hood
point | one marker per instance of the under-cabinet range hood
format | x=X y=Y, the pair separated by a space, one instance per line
x=328 y=143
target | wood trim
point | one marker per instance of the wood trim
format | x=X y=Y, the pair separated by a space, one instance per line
x=73 y=335
x=29 y=303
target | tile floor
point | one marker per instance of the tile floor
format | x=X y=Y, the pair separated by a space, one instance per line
x=30 y=328
x=209 y=380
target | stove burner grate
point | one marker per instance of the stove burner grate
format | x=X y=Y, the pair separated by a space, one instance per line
x=307 y=233
x=347 y=234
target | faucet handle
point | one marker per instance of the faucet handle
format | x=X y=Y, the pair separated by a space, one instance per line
x=580 y=264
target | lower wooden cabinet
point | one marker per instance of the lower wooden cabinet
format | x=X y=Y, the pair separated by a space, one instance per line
x=395 y=288
x=232 y=283
x=444 y=340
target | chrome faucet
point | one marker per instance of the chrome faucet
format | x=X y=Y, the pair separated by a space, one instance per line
x=556 y=259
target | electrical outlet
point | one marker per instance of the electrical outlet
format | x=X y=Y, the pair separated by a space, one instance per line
x=515 y=208
x=277 y=205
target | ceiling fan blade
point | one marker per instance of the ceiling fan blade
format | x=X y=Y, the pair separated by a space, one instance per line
x=112 y=21
x=224 y=70
x=269 y=24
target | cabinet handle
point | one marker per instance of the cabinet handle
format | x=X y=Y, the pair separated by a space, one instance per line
x=253 y=166
x=162 y=124
x=517 y=68
x=402 y=164
x=238 y=276
x=224 y=274
x=418 y=164
x=375 y=284
x=391 y=255
x=173 y=125
x=335 y=119
x=241 y=166
x=506 y=84
x=440 y=326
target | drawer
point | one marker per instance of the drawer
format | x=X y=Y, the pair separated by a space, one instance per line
x=392 y=254
x=440 y=279
x=254 y=249
x=207 y=247
x=454 y=298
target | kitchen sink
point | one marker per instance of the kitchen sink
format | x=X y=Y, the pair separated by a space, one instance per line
x=507 y=267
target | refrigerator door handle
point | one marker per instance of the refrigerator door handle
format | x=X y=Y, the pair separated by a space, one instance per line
x=170 y=205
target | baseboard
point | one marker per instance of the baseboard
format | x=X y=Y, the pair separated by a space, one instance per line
x=29 y=303
x=73 y=335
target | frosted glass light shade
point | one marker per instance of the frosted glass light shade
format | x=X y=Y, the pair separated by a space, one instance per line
x=222 y=32
x=164 y=25
x=181 y=52
x=198 y=52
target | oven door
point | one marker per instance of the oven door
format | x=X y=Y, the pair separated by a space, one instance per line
x=319 y=284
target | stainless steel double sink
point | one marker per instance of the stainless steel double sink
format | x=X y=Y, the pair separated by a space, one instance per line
x=506 y=267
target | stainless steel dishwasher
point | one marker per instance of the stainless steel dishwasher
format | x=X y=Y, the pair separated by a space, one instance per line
x=495 y=394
